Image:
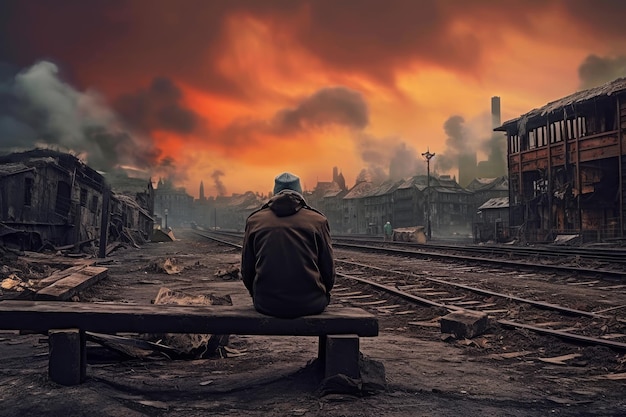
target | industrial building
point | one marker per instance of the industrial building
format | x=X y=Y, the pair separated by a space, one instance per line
x=566 y=164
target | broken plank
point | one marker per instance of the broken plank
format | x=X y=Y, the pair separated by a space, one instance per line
x=370 y=303
x=425 y=323
x=466 y=303
x=583 y=283
x=67 y=287
x=508 y=355
x=614 y=377
x=348 y=294
x=613 y=336
x=560 y=360
x=355 y=297
x=57 y=275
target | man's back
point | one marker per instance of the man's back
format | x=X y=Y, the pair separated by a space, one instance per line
x=287 y=259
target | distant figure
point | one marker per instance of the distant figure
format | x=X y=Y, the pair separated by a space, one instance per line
x=287 y=258
x=388 y=231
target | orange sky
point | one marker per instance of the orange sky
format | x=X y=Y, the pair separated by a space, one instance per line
x=232 y=93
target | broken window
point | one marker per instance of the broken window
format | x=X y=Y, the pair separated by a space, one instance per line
x=83 y=197
x=94 y=204
x=28 y=191
x=514 y=142
x=581 y=127
x=540 y=186
x=541 y=136
x=556 y=132
x=532 y=140
x=63 y=200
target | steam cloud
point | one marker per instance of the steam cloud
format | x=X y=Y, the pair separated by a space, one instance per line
x=219 y=185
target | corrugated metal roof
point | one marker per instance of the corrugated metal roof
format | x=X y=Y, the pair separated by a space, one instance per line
x=607 y=89
x=482 y=184
x=359 y=190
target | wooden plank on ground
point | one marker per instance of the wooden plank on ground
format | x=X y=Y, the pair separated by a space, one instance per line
x=57 y=275
x=65 y=288
x=560 y=360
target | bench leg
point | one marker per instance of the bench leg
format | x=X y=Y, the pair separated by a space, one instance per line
x=67 y=363
x=341 y=356
x=321 y=349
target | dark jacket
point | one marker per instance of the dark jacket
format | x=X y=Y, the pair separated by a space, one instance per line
x=287 y=258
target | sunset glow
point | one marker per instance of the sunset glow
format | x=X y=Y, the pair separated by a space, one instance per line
x=249 y=89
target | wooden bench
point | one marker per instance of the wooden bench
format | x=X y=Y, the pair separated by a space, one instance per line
x=338 y=328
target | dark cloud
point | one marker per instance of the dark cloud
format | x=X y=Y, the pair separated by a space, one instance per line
x=603 y=19
x=167 y=168
x=158 y=107
x=376 y=37
x=595 y=70
x=116 y=44
x=337 y=105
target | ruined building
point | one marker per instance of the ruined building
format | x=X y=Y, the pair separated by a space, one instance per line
x=566 y=163
x=50 y=199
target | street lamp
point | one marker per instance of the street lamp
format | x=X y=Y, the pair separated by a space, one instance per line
x=428 y=156
x=166 y=211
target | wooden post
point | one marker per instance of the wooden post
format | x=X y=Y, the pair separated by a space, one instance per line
x=67 y=363
x=104 y=223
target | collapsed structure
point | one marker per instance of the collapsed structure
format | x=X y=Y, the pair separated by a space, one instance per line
x=566 y=164
x=52 y=199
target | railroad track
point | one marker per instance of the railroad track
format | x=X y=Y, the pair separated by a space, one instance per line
x=583 y=262
x=401 y=292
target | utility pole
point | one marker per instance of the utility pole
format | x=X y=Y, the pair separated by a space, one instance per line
x=427 y=155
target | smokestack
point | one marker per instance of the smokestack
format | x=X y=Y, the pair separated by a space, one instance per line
x=495 y=112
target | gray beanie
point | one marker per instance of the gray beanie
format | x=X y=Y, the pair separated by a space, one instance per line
x=287 y=181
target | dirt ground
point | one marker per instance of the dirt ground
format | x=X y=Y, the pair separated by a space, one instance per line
x=277 y=376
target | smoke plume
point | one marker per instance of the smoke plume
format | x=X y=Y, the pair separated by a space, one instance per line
x=157 y=108
x=38 y=109
x=595 y=70
x=217 y=181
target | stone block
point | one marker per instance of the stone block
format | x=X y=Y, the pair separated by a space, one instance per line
x=464 y=324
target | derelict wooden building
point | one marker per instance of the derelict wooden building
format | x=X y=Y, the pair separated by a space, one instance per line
x=566 y=163
x=52 y=198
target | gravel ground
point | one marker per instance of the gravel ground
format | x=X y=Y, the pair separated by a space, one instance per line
x=277 y=376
